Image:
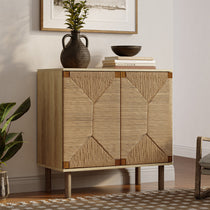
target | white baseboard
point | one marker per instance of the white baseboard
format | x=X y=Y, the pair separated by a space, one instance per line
x=90 y=179
x=184 y=151
x=190 y=152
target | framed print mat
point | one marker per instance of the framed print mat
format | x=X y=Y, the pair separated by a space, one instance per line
x=104 y=16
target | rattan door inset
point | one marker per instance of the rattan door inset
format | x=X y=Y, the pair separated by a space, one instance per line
x=91 y=119
x=146 y=121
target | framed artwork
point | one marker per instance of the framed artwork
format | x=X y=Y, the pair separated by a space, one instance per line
x=104 y=16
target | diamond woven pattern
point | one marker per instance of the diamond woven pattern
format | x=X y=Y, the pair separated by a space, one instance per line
x=159 y=200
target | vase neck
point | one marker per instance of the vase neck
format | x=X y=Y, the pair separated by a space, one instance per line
x=75 y=34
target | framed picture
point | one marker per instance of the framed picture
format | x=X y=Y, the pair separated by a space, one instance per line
x=104 y=16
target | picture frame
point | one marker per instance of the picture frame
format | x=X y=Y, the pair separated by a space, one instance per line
x=105 y=16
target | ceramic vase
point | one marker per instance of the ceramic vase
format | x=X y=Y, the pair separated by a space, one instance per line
x=75 y=54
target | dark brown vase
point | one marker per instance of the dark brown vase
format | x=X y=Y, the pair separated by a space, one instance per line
x=75 y=54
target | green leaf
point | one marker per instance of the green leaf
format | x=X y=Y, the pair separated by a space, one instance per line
x=76 y=13
x=14 y=149
x=2 y=142
x=4 y=110
x=11 y=144
x=6 y=124
x=2 y=147
x=10 y=136
x=1 y=133
x=22 y=109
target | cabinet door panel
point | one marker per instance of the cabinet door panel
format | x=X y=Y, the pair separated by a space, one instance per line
x=133 y=117
x=160 y=119
x=146 y=132
x=91 y=119
x=106 y=123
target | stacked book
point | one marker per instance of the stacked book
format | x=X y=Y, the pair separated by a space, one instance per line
x=129 y=62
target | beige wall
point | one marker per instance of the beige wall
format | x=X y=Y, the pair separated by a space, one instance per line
x=191 y=74
x=24 y=49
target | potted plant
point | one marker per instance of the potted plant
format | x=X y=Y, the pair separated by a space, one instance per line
x=10 y=143
x=75 y=54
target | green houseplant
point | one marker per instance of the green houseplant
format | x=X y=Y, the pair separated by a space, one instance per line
x=10 y=142
x=75 y=54
x=76 y=14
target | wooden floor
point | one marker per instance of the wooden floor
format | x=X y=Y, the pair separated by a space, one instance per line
x=184 y=178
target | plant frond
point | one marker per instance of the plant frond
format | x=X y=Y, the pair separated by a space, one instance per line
x=4 y=110
x=76 y=13
x=13 y=149
x=8 y=121
x=10 y=136
x=22 y=109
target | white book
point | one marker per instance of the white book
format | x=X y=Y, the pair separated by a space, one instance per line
x=128 y=64
x=128 y=58
x=129 y=61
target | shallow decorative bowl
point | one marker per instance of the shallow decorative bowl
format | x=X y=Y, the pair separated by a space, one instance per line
x=126 y=50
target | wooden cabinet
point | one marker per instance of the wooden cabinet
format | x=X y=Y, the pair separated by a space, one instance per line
x=91 y=119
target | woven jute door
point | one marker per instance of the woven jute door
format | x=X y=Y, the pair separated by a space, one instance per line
x=146 y=119
x=91 y=119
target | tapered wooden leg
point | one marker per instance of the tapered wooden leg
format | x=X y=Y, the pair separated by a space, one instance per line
x=137 y=176
x=138 y=179
x=68 y=184
x=48 y=185
x=198 y=170
x=160 y=177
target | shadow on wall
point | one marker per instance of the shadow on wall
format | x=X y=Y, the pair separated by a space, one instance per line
x=14 y=74
x=102 y=177
x=17 y=82
x=93 y=178
x=35 y=16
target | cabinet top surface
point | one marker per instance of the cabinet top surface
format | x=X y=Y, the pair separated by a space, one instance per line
x=107 y=70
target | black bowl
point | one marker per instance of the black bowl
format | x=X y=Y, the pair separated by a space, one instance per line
x=126 y=50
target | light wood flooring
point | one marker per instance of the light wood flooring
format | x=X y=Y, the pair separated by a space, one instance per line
x=184 y=178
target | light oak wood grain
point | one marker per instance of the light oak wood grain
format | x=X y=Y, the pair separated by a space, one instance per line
x=49 y=118
x=107 y=167
x=68 y=184
x=116 y=70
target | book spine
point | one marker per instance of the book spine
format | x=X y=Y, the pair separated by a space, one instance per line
x=123 y=62
x=129 y=67
x=127 y=64
x=128 y=58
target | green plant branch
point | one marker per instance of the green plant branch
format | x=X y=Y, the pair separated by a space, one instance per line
x=76 y=14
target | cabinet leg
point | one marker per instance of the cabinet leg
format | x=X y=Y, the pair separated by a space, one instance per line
x=68 y=184
x=160 y=177
x=137 y=176
x=138 y=179
x=48 y=184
